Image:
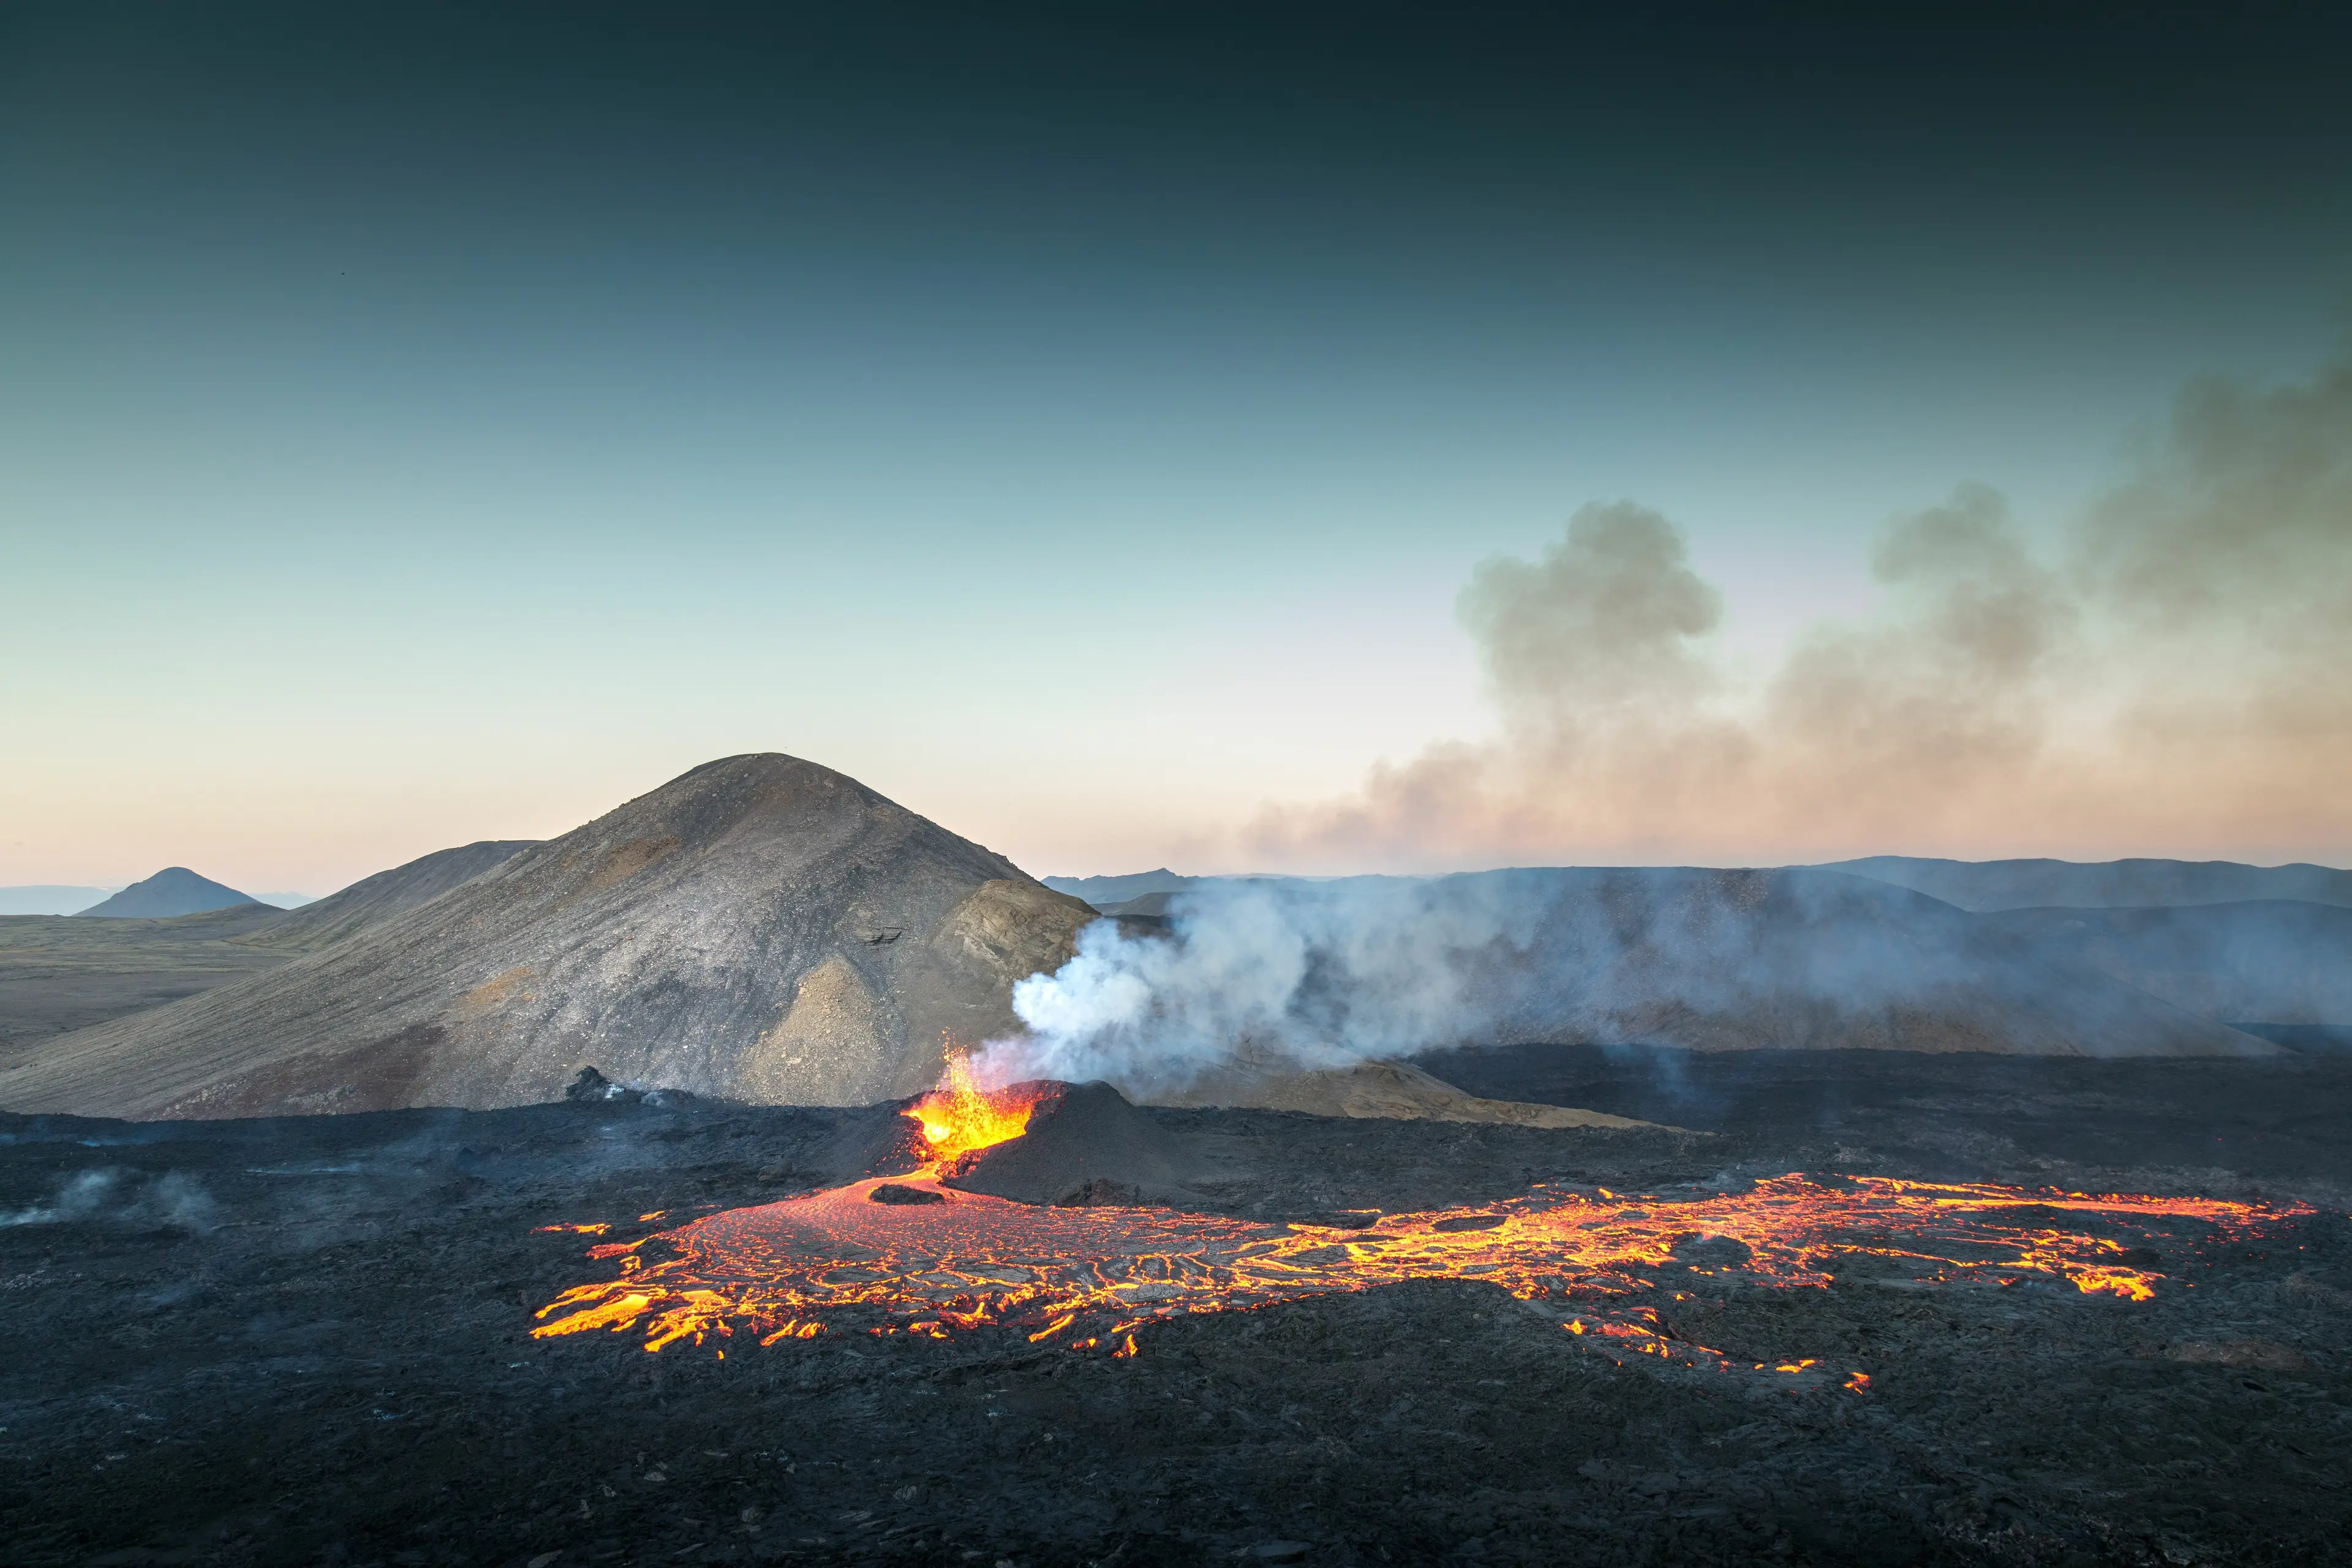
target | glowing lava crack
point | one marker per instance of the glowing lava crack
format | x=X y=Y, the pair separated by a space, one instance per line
x=836 y=1261
x=909 y=1255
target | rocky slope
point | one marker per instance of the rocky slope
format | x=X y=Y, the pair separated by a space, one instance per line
x=762 y=928
x=376 y=899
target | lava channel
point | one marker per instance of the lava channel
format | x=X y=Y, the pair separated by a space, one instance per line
x=836 y=1261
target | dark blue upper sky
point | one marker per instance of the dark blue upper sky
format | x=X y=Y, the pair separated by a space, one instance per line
x=1077 y=421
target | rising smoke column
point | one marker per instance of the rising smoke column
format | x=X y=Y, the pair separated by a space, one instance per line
x=2169 y=682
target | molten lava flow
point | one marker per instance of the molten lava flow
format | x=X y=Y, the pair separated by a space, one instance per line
x=836 y=1261
x=960 y=1116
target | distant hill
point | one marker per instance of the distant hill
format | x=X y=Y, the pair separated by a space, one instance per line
x=2275 y=961
x=760 y=928
x=48 y=900
x=1984 y=885
x=174 y=890
x=1101 y=890
x=377 y=899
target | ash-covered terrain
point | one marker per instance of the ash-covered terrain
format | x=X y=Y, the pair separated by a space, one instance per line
x=309 y=1340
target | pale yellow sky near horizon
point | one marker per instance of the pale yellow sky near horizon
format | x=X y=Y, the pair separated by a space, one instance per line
x=2163 y=676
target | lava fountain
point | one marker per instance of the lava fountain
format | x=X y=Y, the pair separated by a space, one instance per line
x=961 y=1118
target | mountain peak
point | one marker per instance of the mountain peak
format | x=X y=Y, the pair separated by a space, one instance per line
x=174 y=890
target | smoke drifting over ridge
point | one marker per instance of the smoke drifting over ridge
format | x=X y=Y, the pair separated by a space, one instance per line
x=2170 y=683
x=1281 y=975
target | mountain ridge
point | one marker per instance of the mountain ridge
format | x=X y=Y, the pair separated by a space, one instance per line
x=372 y=899
x=1984 y=887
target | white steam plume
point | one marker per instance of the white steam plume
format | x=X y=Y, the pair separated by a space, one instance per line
x=1311 y=974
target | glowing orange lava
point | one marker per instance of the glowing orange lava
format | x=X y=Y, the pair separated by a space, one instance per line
x=960 y=1116
x=835 y=1262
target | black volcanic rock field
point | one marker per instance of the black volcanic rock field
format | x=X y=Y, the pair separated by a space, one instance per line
x=307 y=1340
x=284 y=1196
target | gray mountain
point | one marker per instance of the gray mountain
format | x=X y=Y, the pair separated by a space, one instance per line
x=762 y=928
x=376 y=899
x=1984 y=885
x=174 y=890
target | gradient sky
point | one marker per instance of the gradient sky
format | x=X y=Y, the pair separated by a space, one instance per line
x=419 y=426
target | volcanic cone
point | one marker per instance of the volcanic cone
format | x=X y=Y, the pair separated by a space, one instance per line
x=759 y=929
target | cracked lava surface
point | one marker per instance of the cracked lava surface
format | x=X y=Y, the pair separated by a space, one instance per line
x=838 y=1261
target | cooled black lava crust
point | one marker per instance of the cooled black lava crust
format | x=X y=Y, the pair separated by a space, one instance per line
x=306 y=1341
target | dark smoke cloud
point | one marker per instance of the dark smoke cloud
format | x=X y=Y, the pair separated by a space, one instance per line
x=2171 y=680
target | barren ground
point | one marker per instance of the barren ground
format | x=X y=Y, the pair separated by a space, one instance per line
x=307 y=1341
x=61 y=972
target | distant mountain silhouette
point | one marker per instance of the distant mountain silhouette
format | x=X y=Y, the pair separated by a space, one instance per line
x=377 y=899
x=762 y=928
x=1985 y=885
x=174 y=890
x=48 y=901
x=1102 y=890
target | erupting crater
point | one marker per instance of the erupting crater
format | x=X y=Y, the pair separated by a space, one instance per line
x=836 y=1261
x=960 y=1118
